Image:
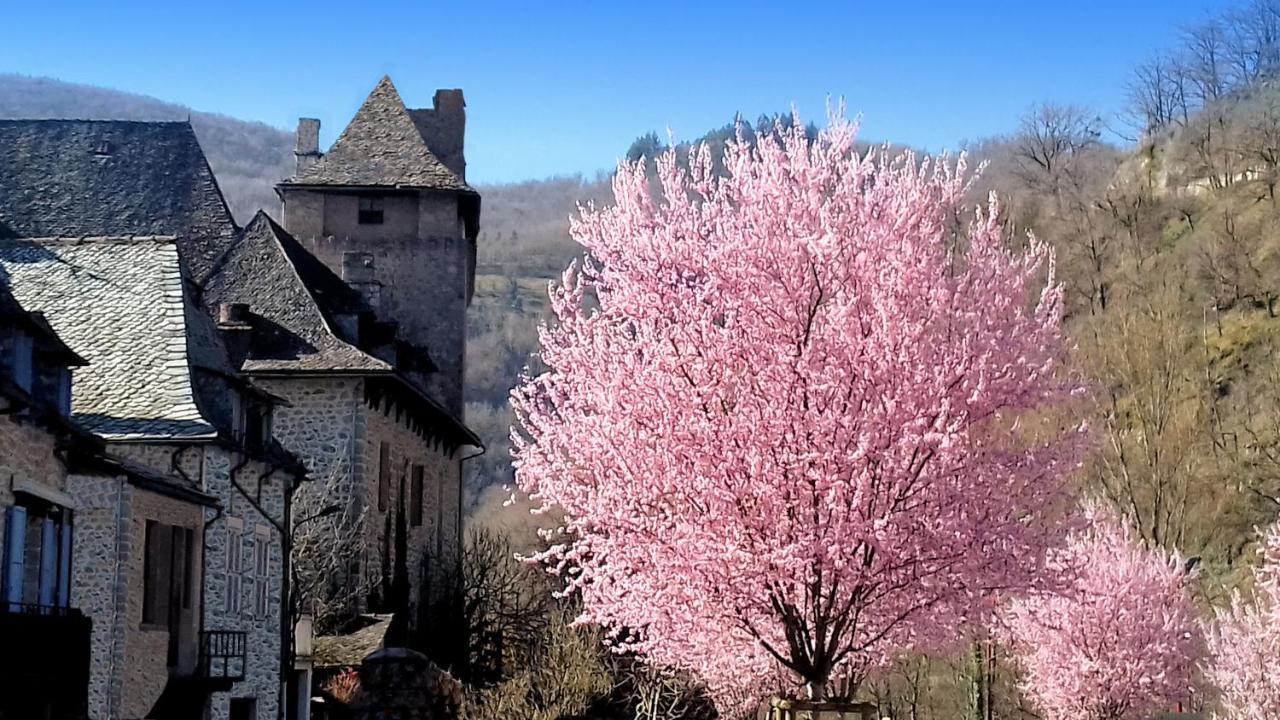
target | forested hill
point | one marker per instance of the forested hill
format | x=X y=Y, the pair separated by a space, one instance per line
x=247 y=157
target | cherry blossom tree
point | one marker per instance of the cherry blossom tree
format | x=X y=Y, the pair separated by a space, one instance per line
x=1244 y=641
x=796 y=417
x=1123 y=640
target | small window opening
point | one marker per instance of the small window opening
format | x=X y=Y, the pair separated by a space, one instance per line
x=102 y=148
x=370 y=211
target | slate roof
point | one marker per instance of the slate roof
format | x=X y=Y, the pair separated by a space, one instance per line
x=121 y=303
x=286 y=288
x=349 y=649
x=382 y=146
x=81 y=178
x=46 y=338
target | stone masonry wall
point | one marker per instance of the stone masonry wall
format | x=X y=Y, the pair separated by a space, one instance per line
x=262 y=661
x=99 y=584
x=26 y=454
x=438 y=538
x=421 y=257
x=128 y=660
x=143 y=672
x=211 y=465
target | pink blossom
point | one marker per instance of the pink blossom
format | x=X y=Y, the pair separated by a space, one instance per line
x=1122 y=642
x=1244 y=642
x=780 y=412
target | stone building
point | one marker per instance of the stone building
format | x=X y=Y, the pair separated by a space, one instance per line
x=36 y=521
x=161 y=394
x=393 y=188
x=372 y=440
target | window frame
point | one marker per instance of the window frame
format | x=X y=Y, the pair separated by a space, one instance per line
x=370 y=210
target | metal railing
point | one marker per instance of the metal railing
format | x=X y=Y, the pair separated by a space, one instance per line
x=222 y=654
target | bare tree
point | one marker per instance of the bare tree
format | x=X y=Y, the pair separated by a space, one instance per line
x=329 y=568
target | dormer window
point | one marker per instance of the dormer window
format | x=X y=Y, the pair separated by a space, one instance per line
x=370 y=210
x=102 y=148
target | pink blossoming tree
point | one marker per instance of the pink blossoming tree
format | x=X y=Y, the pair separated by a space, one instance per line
x=781 y=414
x=1123 y=641
x=1244 y=642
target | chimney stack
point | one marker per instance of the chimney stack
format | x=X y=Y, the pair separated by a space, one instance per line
x=236 y=328
x=307 y=150
x=444 y=127
x=358 y=272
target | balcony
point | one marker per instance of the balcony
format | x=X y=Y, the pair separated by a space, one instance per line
x=47 y=655
x=222 y=655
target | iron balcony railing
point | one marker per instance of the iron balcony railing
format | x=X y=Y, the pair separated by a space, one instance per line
x=222 y=654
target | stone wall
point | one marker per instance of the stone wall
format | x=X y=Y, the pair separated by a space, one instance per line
x=100 y=581
x=129 y=660
x=328 y=423
x=211 y=466
x=421 y=258
x=438 y=537
x=262 y=661
x=26 y=455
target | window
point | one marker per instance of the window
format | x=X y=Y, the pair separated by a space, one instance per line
x=36 y=550
x=384 y=475
x=235 y=566
x=370 y=210
x=415 y=496
x=440 y=517
x=255 y=426
x=261 y=570
x=167 y=569
x=243 y=709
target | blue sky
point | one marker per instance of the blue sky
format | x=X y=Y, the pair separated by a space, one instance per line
x=564 y=87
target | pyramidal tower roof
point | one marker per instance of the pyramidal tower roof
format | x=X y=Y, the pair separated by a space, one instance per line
x=381 y=147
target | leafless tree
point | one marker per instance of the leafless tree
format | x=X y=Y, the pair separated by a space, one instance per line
x=330 y=567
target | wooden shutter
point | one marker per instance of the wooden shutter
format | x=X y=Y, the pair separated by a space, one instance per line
x=415 y=497
x=64 y=561
x=48 y=562
x=15 y=553
x=157 y=564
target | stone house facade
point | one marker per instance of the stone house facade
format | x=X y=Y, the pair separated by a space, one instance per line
x=159 y=392
x=374 y=442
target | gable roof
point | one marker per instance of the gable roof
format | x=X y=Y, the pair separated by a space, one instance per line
x=382 y=146
x=81 y=178
x=119 y=302
x=287 y=289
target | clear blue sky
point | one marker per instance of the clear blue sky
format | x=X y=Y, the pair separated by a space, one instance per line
x=563 y=87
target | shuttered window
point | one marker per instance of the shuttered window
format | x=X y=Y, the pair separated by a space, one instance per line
x=261 y=571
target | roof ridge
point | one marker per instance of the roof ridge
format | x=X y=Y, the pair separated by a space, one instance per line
x=88 y=239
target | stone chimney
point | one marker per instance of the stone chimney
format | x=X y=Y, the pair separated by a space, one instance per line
x=444 y=127
x=307 y=150
x=236 y=328
x=358 y=272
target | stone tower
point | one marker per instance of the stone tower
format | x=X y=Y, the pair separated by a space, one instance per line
x=388 y=208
